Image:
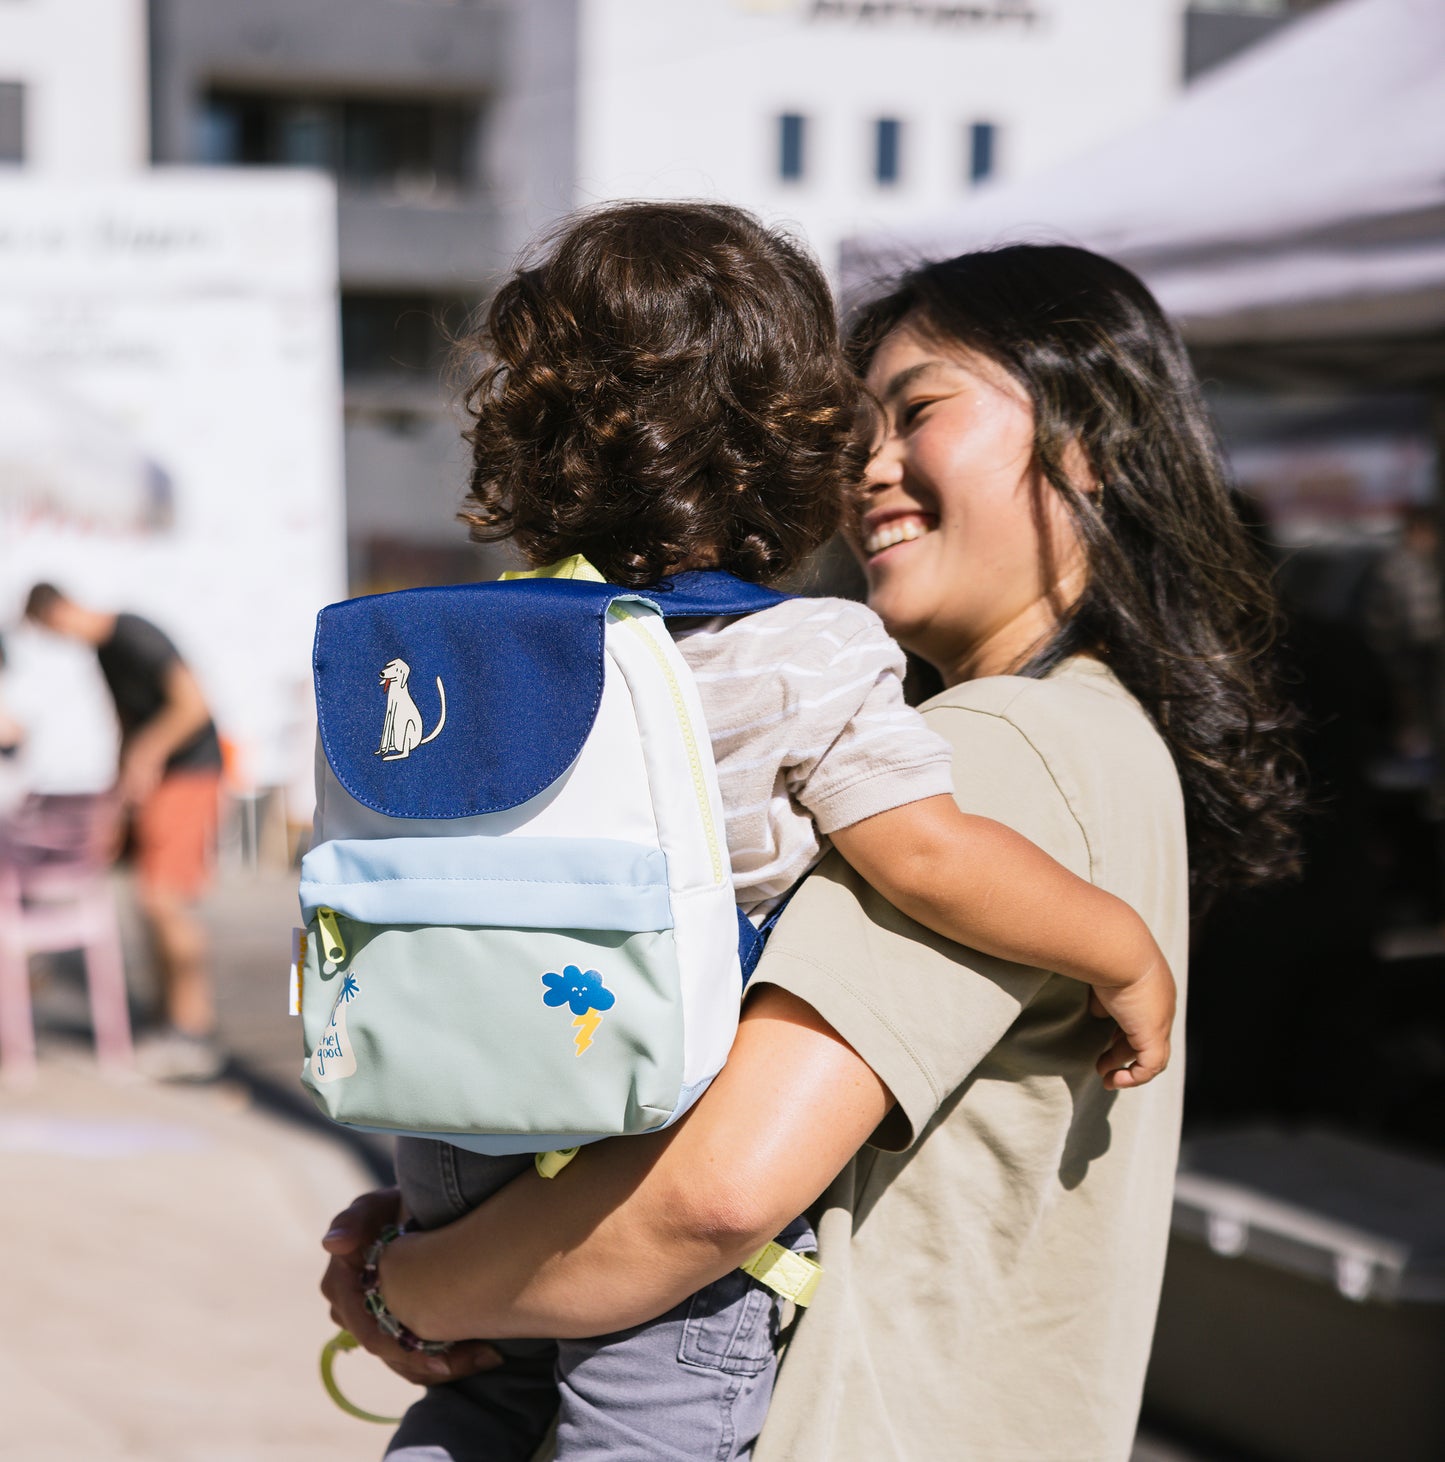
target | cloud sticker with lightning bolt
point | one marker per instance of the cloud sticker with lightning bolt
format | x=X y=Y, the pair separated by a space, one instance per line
x=583 y=992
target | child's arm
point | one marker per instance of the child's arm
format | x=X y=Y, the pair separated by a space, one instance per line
x=980 y=883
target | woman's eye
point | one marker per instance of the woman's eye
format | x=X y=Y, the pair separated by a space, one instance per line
x=912 y=412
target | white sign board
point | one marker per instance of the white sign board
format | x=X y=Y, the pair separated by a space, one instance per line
x=170 y=443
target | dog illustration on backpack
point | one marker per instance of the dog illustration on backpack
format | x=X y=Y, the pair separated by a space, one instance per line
x=401 y=731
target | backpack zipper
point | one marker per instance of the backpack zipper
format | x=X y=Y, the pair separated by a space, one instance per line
x=689 y=737
x=331 y=942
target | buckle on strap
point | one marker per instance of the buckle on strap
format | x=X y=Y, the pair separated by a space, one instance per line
x=794 y=1276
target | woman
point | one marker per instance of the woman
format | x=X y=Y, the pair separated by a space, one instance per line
x=1047 y=525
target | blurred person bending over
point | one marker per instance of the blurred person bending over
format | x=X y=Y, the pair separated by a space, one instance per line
x=169 y=783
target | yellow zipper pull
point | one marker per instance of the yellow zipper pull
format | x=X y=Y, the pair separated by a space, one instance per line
x=331 y=944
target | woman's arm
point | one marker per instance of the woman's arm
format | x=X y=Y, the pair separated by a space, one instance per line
x=633 y=1226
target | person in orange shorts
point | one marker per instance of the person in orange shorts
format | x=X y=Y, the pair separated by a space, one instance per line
x=169 y=782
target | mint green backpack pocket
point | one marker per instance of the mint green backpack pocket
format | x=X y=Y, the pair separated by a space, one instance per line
x=443 y=997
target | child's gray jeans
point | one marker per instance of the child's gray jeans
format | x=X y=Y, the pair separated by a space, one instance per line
x=694 y=1383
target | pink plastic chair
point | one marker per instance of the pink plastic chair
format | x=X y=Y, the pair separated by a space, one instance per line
x=54 y=895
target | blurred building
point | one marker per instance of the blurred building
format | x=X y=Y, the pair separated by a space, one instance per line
x=69 y=109
x=1215 y=31
x=456 y=130
x=840 y=116
x=425 y=115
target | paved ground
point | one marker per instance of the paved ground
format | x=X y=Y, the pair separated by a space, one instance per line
x=160 y=1299
x=160 y=1282
x=161 y=1243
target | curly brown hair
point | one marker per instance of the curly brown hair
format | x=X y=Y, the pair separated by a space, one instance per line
x=662 y=387
x=1178 y=601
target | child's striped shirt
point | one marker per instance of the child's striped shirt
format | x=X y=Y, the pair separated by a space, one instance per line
x=804 y=702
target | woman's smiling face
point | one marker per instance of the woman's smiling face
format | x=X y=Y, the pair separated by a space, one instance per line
x=950 y=536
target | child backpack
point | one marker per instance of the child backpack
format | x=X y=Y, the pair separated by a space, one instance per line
x=520 y=927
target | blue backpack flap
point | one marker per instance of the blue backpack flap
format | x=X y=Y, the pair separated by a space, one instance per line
x=520 y=923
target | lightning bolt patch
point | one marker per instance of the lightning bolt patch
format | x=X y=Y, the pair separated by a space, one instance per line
x=585 y=1026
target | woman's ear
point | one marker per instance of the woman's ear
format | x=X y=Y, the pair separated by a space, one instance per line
x=1079 y=470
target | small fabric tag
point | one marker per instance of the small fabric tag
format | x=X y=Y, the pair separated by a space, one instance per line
x=298 y=966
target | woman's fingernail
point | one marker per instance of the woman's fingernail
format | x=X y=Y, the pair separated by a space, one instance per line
x=335 y=1233
x=436 y=1366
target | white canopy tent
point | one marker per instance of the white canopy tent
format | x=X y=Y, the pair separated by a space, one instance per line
x=1296 y=195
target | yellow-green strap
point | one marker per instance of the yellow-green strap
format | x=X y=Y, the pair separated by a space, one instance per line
x=794 y=1276
x=575 y=567
x=345 y=1340
x=549 y=1164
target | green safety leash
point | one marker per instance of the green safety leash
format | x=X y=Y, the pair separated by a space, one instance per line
x=345 y=1340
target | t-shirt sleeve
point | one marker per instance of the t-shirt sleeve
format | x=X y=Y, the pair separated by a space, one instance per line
x=866 y=750
x=144 y=646
x=922 y=1011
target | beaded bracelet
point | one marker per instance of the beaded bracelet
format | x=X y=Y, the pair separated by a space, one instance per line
x=376 y=1305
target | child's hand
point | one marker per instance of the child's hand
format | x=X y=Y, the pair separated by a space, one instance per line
x=1144 y=1012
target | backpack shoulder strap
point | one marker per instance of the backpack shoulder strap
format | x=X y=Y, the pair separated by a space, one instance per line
x=698 y=593
x=709 y=592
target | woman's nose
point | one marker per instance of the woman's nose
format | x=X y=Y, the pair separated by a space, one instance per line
x=885 y=469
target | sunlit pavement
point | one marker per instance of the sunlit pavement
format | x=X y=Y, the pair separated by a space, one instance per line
x=162 y=1246
x=162 y=1257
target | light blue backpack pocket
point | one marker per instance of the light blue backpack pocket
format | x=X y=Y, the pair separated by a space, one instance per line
x=518 y=987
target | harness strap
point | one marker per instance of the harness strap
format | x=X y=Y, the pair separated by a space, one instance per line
x=549 y=1164
x=575 y=567
x=794 y=1276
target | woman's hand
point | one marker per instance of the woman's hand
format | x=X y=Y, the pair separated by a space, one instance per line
x=351 y=1231
x=1143 y=1011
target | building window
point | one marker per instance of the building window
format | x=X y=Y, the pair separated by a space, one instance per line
x=887 y=150
x=1215 y=31
x=385 y=146
x=792 y=130
x=981 y=151
x=397 y=334
x=12 y=121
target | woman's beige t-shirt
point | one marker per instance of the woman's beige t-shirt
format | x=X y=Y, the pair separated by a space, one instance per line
x=992 y=1262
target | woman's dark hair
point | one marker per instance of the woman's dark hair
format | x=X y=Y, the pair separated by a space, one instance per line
x=1177 y=601
x=664 y=385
